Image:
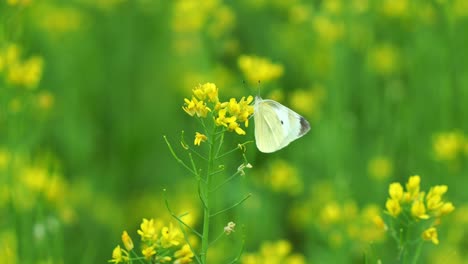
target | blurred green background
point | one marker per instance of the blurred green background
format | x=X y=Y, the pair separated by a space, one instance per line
x=88 y=89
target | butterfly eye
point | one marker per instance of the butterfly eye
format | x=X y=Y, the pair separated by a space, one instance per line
x=281 y=121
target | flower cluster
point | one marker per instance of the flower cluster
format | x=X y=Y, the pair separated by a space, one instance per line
x=230 y=114
x=272 y=253
x=160 y=243
x=448 y=146
x=26 y=73
x=418 y=205
x=259 y=69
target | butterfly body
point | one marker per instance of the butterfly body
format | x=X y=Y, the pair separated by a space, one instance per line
x=276 y=125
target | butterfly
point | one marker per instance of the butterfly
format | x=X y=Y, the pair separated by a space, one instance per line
x=276 y=125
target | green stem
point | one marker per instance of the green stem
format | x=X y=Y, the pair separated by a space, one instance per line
x=417 y=253
x=206 y=209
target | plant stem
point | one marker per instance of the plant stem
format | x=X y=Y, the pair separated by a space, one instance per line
x=206 y=214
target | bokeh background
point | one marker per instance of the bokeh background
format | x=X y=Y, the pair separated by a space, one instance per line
x=88 y=88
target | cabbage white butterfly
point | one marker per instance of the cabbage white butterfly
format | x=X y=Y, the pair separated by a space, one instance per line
x=276 y=125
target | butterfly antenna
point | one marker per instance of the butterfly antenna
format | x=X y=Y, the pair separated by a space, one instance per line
x=258 y=89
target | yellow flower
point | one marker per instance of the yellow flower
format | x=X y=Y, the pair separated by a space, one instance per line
x=380 y=168
x=419 y=210
x=45 y=100
x=328 y=30
x=259 y=69
x=393 y=207
x=148 y=252
x=117 y=255
x=183 y=255
x=27 y=73
x=195 y=106
x=207 y=90
x=434 y=197
x=199 y=138
x=127 y=241
x=448 y=145
x=413 y=186
x=395 y=8
x=395 y=190
x=147 y=230
x=445 y=209
x=430 y=234
x=284 y=177
x=170 y=236
x=384 y=59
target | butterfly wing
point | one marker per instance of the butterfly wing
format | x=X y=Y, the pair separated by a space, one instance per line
x=276 y=125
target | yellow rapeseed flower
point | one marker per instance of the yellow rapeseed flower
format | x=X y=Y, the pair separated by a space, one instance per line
x=27 y=73
x=430 y=234
x=380 y=167
x=447 y=146
x=183 y=255
x=412 y=186
x=384 y=59
x=148 y=230
x=418 y=210
x=195 y=106
x=148 y=252
x=393 y=207
x=199 y=138
x=118 y=255
x=170 y=236
x=395 y=190
x=127 y=241
x=395 y=8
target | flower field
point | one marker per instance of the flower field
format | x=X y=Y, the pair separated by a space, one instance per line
x=128 y=131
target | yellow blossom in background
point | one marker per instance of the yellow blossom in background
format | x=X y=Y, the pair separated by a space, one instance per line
x=278 y=252
x=448 y=145
x=430 y=234
x=395 y=8
x=18 y=2
x=332 y=7
x=360 y=6
x=284 y=177
x=199 y=138
x=127 y=241
x=5 y=158
x=27 y=73
x=380 y=168
x=384 y=59
x=308 y=102
x=45 y=100
x=299 y=13
x=59 y=20
x=257 y=69
x=328 y=30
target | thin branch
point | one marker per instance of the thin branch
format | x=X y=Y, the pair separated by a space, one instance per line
x=234 y=205
x=233 y=150
x=180 y=220
x=177 y=158
x=225 y=181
